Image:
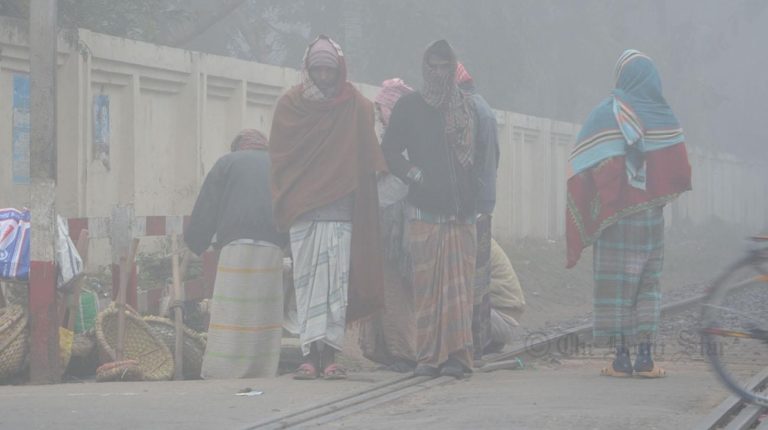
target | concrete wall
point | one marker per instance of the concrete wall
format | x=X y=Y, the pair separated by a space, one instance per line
x=533 y=174
x=173 y=113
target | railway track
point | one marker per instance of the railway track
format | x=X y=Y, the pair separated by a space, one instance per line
x=735 y=414
x=341 y=407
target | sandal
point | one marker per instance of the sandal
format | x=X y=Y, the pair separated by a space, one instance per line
x=426 y=370
x=453 y=368
x=334 y=372
x=454 y=371
x=621 y=367
x=610 y=371
x=305 y=372
x=656 y=372
x=401 y=366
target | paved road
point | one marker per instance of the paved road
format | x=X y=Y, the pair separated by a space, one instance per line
x=570 y=395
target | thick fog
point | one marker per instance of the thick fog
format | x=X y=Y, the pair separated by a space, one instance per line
x=549 y=58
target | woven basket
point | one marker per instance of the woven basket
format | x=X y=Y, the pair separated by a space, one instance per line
x=155 y=359
x=126 y=370
x=82 y=345
x=13 y=341
x=65 y=347
x=194 y=344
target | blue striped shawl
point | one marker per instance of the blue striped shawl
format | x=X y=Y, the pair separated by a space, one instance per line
x=634 y=120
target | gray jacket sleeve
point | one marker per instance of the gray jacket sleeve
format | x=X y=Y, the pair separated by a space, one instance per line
x=487 y=156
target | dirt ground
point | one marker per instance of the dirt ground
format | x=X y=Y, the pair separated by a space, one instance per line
x=556 y=296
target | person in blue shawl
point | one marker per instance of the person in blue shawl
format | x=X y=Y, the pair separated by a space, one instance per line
x=628 y=162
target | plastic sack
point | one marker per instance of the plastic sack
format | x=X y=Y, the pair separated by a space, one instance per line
x=67 y=258
x=14 y=244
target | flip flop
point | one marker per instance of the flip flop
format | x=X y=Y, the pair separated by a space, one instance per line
x=305 y=372
x=609 y=371
x=426 y=370
x=656 y=372
x=454 y=371
x=333 y=372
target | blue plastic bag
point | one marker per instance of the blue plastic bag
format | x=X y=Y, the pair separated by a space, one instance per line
x=14 y=244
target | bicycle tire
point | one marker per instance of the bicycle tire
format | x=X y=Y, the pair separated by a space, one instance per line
x=711 y=321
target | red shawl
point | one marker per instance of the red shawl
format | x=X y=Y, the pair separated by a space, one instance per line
x=600 y=196
x=322 y=151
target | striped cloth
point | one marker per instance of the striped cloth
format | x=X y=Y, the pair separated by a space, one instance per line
x=481 y=311
x=321 y=257
x=443 y=278
x=246 y=312
x=629 y=155
x=627 y=267
x=633 y=121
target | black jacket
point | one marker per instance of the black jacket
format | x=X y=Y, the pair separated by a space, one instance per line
x=447 y=188
x=234 y=203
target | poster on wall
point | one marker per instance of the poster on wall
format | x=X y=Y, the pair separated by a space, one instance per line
x=20 y=137
x=101 y=130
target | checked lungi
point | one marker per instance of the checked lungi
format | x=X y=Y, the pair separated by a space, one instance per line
x=628 y=259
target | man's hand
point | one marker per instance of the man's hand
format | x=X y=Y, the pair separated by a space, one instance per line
x=415 y=176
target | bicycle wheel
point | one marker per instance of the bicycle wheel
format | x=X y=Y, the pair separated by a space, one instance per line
x=735 y=327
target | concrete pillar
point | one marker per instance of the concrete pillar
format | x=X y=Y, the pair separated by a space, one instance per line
x=43 y=315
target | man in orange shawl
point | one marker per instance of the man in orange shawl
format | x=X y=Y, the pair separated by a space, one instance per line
x=325 y=157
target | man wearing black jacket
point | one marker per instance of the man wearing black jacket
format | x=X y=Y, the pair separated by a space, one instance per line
x=234 y=210
x=438 y=128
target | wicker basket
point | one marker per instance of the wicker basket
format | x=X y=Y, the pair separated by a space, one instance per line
x=194 y=344
x=155 y=359
x=13 y=341
x=126 y=370
x=82 y=345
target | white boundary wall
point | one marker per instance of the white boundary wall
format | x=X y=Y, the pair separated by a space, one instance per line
x=173 y=113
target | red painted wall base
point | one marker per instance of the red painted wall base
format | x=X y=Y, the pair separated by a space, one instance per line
x=43 y=324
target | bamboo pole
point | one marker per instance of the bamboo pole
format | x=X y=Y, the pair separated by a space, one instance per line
x=126 y=266
x=178 y=316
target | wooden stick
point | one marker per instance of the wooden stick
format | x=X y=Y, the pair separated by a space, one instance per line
x=126 y=267
x=82 y=249
x=178 y=316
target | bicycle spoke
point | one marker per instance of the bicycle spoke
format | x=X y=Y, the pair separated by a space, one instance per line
x=736 y=312
x=735 y=326
x=759 y=334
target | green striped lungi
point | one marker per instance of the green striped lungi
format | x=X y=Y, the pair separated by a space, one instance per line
x=628 y=259
x=246 y=312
